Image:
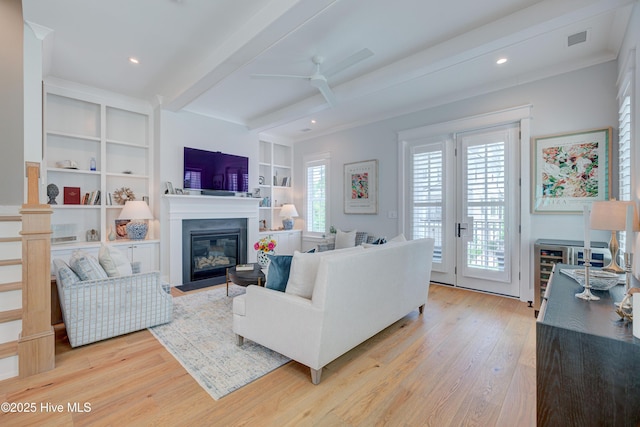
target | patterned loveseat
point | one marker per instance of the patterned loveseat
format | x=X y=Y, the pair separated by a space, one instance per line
x=105 y=307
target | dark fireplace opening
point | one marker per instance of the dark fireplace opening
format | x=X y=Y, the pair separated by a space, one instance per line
x=209 y=247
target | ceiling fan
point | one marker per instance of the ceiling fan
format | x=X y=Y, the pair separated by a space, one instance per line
x=319 y=79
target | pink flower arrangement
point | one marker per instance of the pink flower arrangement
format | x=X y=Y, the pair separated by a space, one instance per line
x=266 y=244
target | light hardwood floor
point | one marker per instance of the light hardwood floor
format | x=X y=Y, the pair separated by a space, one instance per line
x=469 y=360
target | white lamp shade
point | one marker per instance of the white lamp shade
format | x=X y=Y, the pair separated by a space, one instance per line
x=288 y=211
x=611 y=215
x=136 y=209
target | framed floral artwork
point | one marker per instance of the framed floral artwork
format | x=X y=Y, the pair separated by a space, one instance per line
x=571 y=170
x=361 y=187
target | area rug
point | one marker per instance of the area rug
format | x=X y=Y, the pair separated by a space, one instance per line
x=201 y=338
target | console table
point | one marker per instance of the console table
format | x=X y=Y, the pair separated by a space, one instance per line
x=587 y=360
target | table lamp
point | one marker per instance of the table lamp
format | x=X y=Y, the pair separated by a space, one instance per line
x=611 y=215
x=138 y=212
x=287 y=213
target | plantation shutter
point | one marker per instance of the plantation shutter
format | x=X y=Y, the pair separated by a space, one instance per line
x=427 y=195
x=316 y=199
x=625 y=148
x=624 y=154
x=486 y=204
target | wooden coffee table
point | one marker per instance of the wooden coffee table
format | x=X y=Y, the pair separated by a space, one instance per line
x=245 y=278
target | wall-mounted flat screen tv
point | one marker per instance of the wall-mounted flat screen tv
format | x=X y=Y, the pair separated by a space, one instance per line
x=213 y=170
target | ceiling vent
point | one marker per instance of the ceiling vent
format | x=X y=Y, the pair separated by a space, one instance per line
x=305 y=130
x=577 y=38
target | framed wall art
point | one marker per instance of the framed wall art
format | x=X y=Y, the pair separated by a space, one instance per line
x=571 y=170
x=361 y=187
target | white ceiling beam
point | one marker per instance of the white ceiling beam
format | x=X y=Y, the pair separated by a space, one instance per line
x=274 y=22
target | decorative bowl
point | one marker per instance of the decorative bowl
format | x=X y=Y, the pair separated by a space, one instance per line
x=599 y=280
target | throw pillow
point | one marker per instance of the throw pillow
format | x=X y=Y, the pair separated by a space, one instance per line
x=302 y=274
x=304 y=268
x=278 y=274
x=86 y=266
x=114 y=261
x=361 y=237
x=323 y=247
x=399 y=238
x=64 y=275
x=345 y=239
x=396 y=240
x=379 y=241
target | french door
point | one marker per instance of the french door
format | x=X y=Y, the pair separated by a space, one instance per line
x=464 y=192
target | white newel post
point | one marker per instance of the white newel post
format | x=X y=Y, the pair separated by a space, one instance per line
x=176 y=208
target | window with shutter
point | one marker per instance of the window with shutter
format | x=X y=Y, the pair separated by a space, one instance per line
x=624 y=154
x=427 y=191
x=485 y=195
x=317 y=194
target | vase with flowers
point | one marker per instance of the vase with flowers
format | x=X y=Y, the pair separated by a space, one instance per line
x=265 y=246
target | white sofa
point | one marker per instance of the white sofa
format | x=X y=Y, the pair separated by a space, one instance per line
x=355 y=296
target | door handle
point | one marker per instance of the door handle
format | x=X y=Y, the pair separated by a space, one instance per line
x=466 y=226
x=459 y=227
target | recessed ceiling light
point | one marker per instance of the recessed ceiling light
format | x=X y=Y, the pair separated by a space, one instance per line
x=313 y=121
x=501 y=61
x=134 y=60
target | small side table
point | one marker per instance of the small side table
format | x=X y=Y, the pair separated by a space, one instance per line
x=245 y=278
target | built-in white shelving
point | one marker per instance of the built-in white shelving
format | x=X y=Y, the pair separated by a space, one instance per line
x=275 y=181
x=117 y=133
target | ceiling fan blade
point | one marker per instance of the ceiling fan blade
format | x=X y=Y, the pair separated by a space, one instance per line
x=326 y=91
x=348 y=62
x=278 y=76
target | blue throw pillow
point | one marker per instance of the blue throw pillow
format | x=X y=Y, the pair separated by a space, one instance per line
x=379 y=241
x=279 y=268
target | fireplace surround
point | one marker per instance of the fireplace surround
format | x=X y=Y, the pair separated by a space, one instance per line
x=209 y=247
x=179 y=208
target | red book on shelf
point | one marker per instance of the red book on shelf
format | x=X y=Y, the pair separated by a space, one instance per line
x=71 y=195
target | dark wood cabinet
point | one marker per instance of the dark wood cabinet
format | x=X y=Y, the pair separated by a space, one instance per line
x=587 y=360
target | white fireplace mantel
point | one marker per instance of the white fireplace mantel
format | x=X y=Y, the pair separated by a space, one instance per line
x=176 y=208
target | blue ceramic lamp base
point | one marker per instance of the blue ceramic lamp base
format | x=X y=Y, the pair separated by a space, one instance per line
x=137 y=230
x=287 y=223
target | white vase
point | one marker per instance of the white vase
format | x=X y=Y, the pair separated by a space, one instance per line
x=263 y=259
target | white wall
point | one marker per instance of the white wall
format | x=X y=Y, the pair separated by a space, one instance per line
x=33 y=103
x=184 y=129
x=579 y=100
x=11 y=103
